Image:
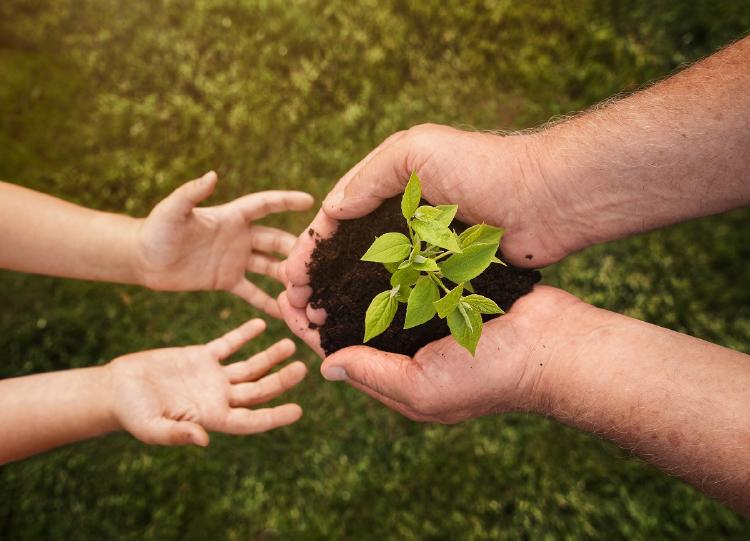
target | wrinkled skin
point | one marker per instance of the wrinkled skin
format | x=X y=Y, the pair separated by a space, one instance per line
x=443 y=382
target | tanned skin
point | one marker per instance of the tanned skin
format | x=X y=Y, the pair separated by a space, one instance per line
x=674 y=151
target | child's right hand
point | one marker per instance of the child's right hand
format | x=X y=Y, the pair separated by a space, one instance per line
x=173 y=396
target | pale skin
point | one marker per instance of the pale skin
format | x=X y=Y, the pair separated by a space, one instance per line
x=674 y=151
x=167 y=396
x=170 y=396
x=178 y=247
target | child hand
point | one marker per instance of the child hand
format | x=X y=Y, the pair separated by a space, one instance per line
x=172 y=396
x=181 y=247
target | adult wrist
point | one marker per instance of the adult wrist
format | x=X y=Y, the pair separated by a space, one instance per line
x=550 y=377
x=567 y=193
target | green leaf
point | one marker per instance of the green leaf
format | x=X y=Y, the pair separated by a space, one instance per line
x=437 y=234
x=388 y=248
x=480 y=234
x=442 y=214
x=482 y=304
x=405 y=277
x=412 y=196
x=425 y=264
x=447 y=213
x=447 y=304
x=500 y=261
x=469 y=287
x=391 y=267
x=427 y=213
x=404 y=292
x=415 y=250
x=466 y=327
x=469 y=264
x=380 y=313
x=420 y=307
x=404 y=265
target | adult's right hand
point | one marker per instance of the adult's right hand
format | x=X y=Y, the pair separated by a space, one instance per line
x=516 y=358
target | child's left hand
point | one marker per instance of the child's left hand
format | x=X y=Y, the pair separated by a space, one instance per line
x=181 y=247
x=173 y=396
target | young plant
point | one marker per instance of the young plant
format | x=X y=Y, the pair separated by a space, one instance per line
x=422 y=263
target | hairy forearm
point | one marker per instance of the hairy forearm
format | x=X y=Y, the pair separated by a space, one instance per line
x=674 y=400
x=44 y=411
x=45 y=235
x=673 y=151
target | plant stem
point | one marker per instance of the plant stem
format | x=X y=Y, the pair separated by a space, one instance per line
x=411 y=234
x=438 y=281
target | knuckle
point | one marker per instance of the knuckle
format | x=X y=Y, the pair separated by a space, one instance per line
x=419 y=142
x=422 y=128
x=275 y=383
x=395 y=136
x=264 y=420
x=244 y=396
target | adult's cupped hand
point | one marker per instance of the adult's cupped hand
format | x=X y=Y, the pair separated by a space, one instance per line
x=492 y=179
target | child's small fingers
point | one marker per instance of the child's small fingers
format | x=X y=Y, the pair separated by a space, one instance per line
x=271 y=386
x=245 y=421
x=258 y=205
x=225 y=345
x=266 y=265
x=257 y=297
x=184 y=199
x=260 y=363
x=270 y=239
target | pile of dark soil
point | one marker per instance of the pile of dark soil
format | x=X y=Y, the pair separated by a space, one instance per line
x=344 y=286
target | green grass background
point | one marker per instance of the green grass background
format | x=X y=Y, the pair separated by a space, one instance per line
x=114 y=103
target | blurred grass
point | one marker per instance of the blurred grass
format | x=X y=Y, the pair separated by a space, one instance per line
x=112 y=104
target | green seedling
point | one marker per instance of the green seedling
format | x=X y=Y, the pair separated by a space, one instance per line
x=431 y=269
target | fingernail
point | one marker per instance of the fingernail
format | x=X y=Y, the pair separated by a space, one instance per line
x=334 y=373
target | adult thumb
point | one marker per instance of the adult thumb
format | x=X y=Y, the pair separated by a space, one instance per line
x=185 y=198
x=380 y=175
x=388 y=377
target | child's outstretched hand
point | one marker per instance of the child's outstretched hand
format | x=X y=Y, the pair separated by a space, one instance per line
x=182 y=247
x=173 y=396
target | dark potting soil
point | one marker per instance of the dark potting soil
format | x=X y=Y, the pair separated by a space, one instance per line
x=344 y=286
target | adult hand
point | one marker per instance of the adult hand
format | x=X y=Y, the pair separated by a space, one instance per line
x=173 y=396
x=444 y=383
x=493 y=179
x=181 y=247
